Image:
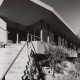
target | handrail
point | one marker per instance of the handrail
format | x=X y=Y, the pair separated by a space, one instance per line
x=32 y=43
x=13 y=61
x=35 y=36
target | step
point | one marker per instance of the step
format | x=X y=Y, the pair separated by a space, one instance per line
x=17 y=70
x=6 y=57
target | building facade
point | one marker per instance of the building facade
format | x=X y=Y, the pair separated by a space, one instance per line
x=36 y=21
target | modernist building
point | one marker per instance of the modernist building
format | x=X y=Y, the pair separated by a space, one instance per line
x=34 y=20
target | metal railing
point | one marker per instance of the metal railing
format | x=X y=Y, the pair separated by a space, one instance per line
x=34 y=38
x=33 y=47
x=2 y=77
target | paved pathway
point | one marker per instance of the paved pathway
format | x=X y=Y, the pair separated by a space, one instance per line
x=6 y=57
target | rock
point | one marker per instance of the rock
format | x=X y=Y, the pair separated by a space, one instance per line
x=65 y=72
x=68 y=66
x=58 y=75
x=47 y=70
x=48 y=77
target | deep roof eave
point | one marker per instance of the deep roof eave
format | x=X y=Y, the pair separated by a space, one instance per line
x=46 y=6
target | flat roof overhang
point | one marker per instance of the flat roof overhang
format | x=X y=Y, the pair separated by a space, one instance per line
x=26 y=12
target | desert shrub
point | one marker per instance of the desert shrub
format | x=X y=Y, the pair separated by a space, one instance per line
x=56 y=56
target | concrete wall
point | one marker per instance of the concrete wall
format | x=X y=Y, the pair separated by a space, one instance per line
x=39 y=47
x=3 y=33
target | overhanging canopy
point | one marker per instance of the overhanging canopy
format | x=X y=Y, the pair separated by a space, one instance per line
x=26 y=12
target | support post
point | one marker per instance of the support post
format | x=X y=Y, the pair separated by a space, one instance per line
x=34 y=35
x=64 y=41
x=61 y=39
x=28 y=41
x=48 y=33
x=41 y=32
x=17 y=34
x=28 y=34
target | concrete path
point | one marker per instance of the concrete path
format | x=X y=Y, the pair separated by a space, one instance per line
x=6 y=57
